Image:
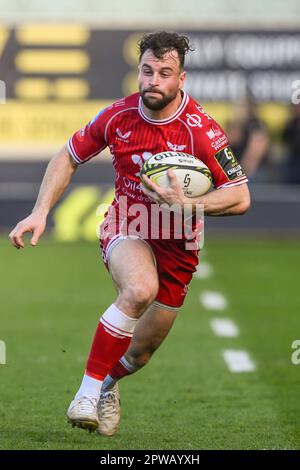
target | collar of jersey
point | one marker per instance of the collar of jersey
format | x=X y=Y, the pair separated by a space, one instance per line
x=174 y=116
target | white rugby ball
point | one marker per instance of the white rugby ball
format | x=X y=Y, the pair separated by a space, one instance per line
x=193 y=175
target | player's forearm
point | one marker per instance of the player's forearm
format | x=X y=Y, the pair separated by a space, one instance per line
x=56 y=179
x=225 y=201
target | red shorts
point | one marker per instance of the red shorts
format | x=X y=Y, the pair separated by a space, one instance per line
x=175 y=266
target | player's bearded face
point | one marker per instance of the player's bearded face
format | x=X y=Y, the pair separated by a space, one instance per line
x=155 y=99
x=159 y=79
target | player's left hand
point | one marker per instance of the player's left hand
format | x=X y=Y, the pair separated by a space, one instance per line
x=173 y=194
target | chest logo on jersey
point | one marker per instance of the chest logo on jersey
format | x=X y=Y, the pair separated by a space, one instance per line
x=175 y=147
x=123 y=137
x=194 y=120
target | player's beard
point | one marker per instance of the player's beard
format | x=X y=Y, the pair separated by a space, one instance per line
x=157 y=104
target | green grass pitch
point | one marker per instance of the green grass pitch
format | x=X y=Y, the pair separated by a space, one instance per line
x=51 y=299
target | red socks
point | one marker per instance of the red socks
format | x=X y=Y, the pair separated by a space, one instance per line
x=121 y=369
x=111 y=341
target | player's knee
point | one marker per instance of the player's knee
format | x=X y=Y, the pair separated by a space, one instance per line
x=141 y=295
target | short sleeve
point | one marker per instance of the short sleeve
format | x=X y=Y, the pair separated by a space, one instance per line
x=215 y=152
x=90 y=140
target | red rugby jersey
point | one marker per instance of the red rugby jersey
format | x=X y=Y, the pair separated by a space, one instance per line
x=132 y=138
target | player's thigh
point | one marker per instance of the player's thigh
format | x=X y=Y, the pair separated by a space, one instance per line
x=132 y=266
x=151 y=330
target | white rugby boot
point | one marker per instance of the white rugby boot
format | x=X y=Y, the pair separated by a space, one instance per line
x=109 y=411
x=83 y=413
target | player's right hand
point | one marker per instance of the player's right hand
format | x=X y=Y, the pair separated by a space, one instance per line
x=34 y=223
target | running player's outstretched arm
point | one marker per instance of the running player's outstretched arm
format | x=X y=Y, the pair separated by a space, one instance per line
x=56 y=179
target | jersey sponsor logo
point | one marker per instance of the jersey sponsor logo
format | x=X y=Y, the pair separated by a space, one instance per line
x=194 y=120
x=214 y=133
x=175 y=147
x=123 y=137
x=229 y=163
x=140 y=160
x=219 y=143
x=210 y=134
x=236 y=171
x=230 y=155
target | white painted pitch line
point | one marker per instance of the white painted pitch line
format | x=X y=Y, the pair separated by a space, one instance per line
x=224 y=327
x=238 y=361
x=213 y=300
x=204 y=270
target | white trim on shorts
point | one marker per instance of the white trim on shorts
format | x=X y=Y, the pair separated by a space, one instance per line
x=117 y=239
x=166 y=307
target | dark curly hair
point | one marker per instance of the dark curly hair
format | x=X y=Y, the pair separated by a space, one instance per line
x=162 y=42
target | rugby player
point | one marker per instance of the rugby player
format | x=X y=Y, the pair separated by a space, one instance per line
x=151 y=275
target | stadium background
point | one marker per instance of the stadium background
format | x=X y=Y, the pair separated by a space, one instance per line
x=62 y=61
